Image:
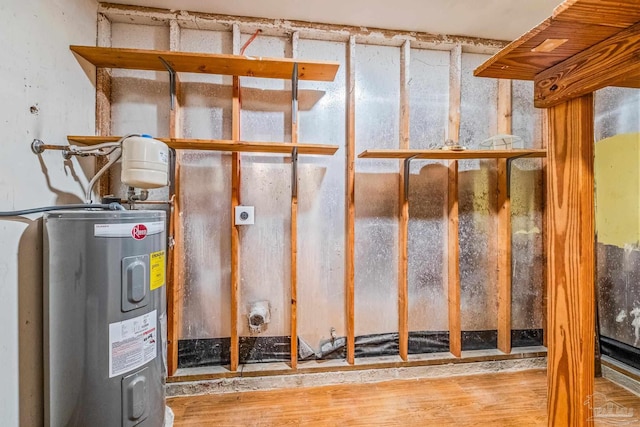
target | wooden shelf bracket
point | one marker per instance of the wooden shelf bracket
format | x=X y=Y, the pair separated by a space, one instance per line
x=172 y=82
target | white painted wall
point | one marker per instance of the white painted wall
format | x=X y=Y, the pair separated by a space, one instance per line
x=37 y=70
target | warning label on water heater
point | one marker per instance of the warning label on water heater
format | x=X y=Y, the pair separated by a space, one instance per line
x=132 y=343
x=156 y=278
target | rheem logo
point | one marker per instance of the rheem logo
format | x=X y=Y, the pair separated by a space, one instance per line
x=139 y=231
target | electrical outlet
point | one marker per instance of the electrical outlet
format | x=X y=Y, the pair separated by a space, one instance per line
x=244 y=215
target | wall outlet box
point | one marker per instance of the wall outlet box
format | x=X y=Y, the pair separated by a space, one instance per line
x=244 y=215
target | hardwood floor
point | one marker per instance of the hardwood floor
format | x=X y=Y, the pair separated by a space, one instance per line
x=501 y=399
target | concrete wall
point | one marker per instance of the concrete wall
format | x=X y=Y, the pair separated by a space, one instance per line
x=45 y=94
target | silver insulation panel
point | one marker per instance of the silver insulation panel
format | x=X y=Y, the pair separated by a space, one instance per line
x=428 y=188
x=477 y=202
x=377 y=190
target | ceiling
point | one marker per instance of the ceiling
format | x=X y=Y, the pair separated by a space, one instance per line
x=492 y=19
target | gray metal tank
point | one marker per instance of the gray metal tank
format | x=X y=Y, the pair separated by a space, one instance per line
x=104 y=318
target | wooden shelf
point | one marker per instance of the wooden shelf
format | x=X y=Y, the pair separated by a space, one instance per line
x=208 y=63
x=450 y=155
x=574 y=26
x=222 y=145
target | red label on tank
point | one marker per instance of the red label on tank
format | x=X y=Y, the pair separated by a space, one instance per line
x=139 y=231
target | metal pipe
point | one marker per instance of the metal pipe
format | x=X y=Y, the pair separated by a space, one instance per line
x=109 y=206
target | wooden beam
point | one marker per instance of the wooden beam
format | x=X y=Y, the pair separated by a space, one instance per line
x=608 y=63
x=234 y=349
x=294 y=229
x=175 y=288
x=571 y=261
x=504 y=224
x=453 y=248
x=350 y=200
x=403 y=226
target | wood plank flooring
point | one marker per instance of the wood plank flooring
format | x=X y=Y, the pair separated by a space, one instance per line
x=501 y=399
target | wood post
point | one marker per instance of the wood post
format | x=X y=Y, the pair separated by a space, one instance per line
x=175 y=285
x=403 y=226
x=234 y=349
x=453 y=250
x=350 y=200
x=294 y=222
x=504 y=224
x=571 y=260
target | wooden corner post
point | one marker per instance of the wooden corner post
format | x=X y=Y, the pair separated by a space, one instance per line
x=571 y=258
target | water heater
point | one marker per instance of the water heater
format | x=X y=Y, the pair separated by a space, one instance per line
x=104 y=318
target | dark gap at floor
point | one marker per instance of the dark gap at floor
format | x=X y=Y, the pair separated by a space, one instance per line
x=257 y=349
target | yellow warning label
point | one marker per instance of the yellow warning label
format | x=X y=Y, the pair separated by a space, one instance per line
x=157 y=269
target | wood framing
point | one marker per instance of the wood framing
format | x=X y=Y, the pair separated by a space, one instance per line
x=234 y=349
x=403 y=226
x=294 y=223
x=453 y=252
x=504 y=224
x=350 y=200
x=175 y=287
x=571 y=259
x=453 y=247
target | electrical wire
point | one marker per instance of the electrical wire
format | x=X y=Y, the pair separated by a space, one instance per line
x=253 y=37
x=110 y=206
